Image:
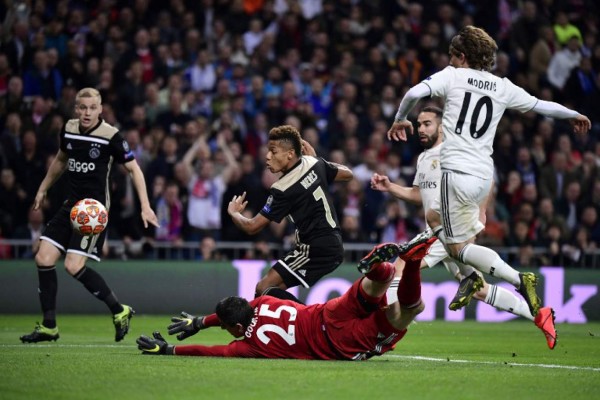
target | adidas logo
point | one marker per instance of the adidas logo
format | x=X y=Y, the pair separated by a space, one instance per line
x=302 y=272
x=69 y=147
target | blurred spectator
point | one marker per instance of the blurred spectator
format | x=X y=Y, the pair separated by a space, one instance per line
x=30 y=166
x=173 y=119
x=589 y=220
x=31 y=230
x=201 y=76
x=563 y=62
x=206 y=187
x=12 y=201
x=524 y=31
x=164 y=163
x=352 y=231
x=17 y=47
x=391 y=223
x=132 y=91
x=525 y=166
x=554 y=177
x=10 y=139
x=570 y=205
x=511 y=193
x=12 y=100
x=208 y=250
x=553 y=241
x=565 y=30
x=583 y=88
x=540 y=56
x=547 y=216
x=169 y=211
x=41 y=79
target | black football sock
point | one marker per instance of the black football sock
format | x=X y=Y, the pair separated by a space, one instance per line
x=96 y=285
x=47 y=288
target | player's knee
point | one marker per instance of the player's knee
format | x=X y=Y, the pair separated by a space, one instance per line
x=44 y=259
x=414 y=311
x=261 y=286
x=73 y=266
x=454 y=250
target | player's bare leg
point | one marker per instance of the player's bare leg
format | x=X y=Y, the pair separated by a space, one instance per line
x=271 y=279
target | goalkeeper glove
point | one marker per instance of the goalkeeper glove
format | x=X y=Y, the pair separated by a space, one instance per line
x=186 y=325
x=156 y=345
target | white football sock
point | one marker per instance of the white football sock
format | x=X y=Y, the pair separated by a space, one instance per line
x=504 y=300
x=489 y=262
x=392 y=292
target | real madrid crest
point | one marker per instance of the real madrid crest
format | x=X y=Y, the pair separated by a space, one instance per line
x=434 y=164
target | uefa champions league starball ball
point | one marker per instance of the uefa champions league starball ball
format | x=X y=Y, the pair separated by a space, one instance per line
x=89 y=217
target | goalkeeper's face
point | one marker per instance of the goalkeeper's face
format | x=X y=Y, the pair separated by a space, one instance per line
x=237 y=330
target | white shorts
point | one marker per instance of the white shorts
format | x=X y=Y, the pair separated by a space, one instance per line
x=458 y=205
x=438 y=255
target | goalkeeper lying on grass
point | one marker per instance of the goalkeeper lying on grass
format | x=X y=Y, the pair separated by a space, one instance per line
x=356 y=326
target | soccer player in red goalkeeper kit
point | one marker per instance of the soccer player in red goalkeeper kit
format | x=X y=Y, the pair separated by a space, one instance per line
x=356 y=326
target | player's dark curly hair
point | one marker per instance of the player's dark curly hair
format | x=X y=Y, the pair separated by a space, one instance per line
x=478 y=47
x=288 y=134
x=235 y=310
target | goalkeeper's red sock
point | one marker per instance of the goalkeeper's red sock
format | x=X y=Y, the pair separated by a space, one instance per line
x=381 y=272
x=409 y=288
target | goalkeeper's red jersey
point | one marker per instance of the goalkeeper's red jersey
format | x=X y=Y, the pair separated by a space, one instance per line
x=338 y=330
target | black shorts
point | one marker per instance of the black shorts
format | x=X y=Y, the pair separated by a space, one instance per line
x=308 y=263
x=60 y=233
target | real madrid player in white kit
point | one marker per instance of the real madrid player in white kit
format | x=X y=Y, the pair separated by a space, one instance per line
x=475 y=100
x=88 y=148
x=425 y=191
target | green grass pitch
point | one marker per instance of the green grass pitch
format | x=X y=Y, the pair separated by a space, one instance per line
x=436 y=360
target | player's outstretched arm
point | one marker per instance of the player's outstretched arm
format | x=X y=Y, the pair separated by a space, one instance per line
x=383 y=184
x=57 y=167
x=251 y=226
x=186 y=325
x=139 y=183
x=580 y=123
x=401 y=125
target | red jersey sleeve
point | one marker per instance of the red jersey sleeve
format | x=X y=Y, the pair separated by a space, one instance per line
x=237 y=348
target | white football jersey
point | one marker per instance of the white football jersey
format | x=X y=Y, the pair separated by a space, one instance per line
x=429 y=176
x=474 y=103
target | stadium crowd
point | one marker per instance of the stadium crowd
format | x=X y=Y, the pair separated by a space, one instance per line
x=195 y=86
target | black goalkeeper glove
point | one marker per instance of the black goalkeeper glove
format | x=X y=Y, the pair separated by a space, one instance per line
x=156 y=345
x=186 y=325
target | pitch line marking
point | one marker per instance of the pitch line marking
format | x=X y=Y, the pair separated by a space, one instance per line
x=420 y=358
x=555 y=366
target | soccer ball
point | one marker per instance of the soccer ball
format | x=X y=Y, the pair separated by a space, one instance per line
x=89 y=217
